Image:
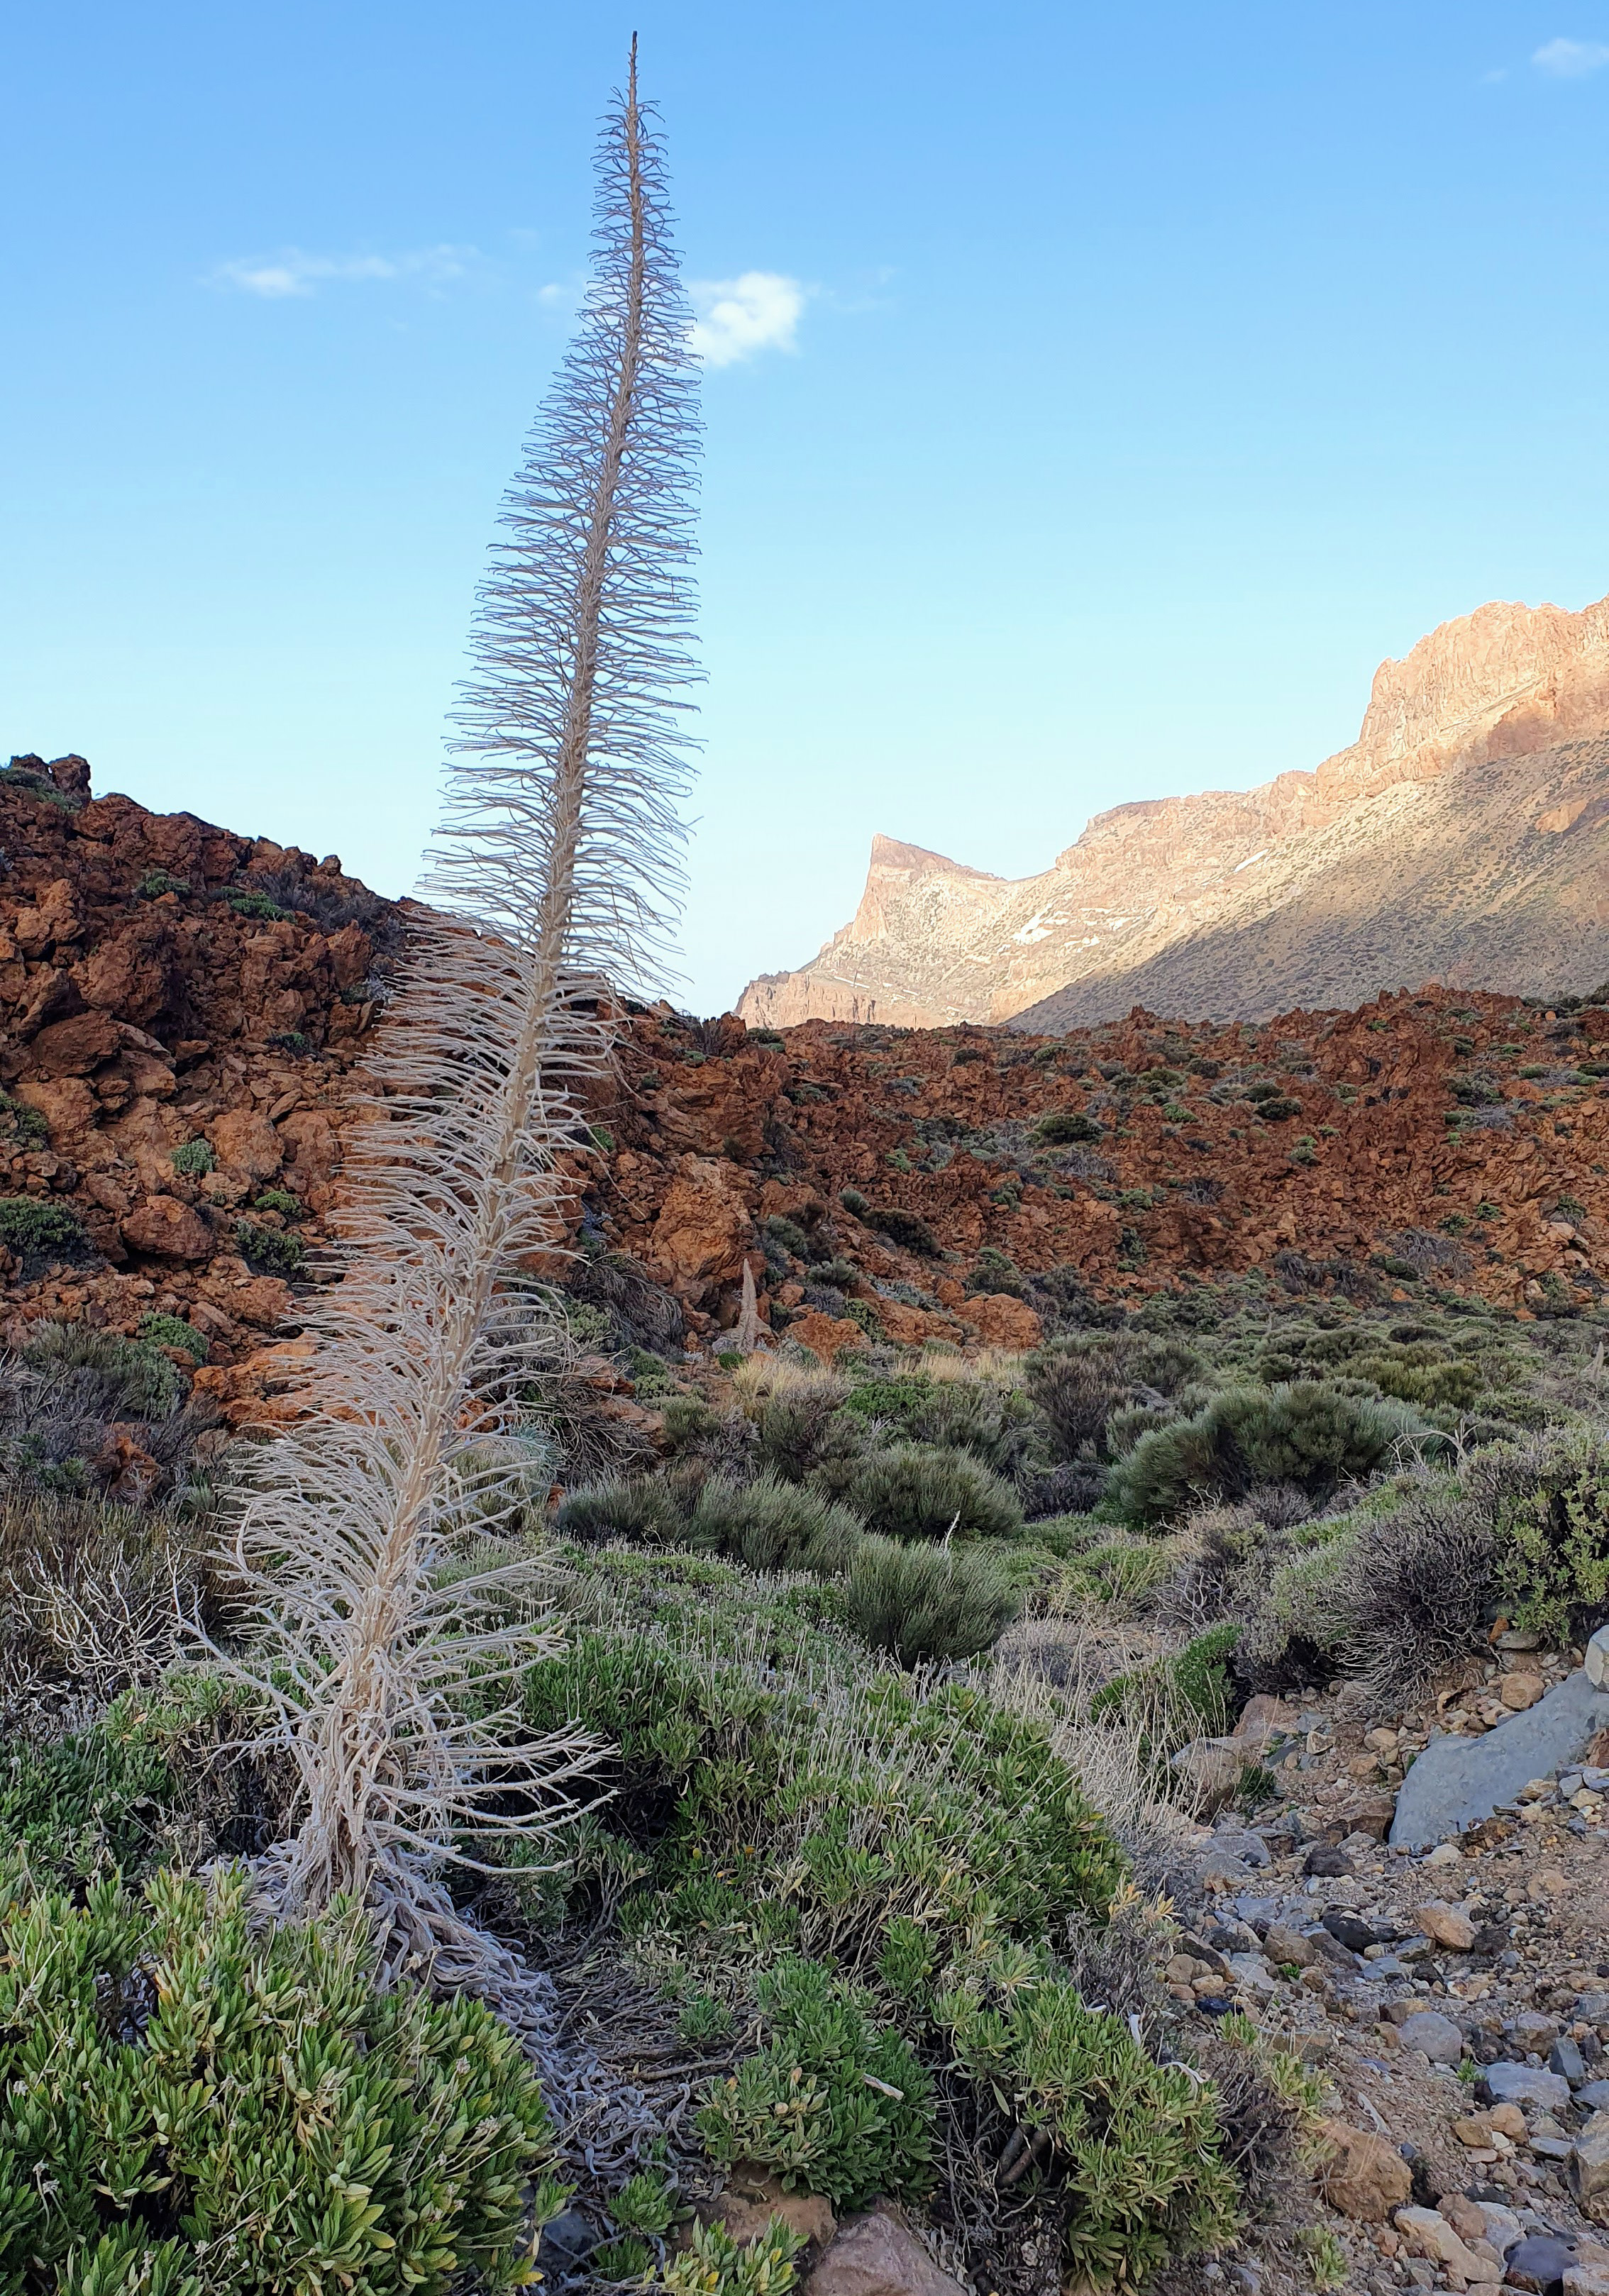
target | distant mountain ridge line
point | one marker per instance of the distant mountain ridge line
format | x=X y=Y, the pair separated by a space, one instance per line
x=934 y=941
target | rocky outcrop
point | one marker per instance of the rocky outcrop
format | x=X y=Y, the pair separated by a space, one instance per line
x=180 y=1009
x=184 y=1015
x=1460 y=838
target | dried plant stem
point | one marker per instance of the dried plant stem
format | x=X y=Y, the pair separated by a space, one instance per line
x=389 y=1678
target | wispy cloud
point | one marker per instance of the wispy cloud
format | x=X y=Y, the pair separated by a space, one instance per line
x=738 y=318
x=1571 y=59
x=294 y=272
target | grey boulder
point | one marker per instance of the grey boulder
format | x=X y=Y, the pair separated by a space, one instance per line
x=1457 y=1781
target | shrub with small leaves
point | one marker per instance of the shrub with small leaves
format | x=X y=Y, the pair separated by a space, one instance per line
x=1064 y=1126
x=906 y=1229
x=925 y=1604
x=280 y=1201
x=917 y=1490
x=21 y=1125
x=270 y=1250
x=1309 y=1433
x=245 y=2107
x=714 y=2264
x=174 y=1331
x=257 y=906
x=36 y=1229
x=836 y=2103
x=155 y=882
x=194 y=1159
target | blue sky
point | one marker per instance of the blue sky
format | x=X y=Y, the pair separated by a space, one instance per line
x=1120 y=385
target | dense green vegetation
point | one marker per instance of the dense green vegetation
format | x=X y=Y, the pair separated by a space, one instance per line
x=868 y=1809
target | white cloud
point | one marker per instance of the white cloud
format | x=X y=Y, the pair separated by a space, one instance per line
x=293 y=272
x=758 y=311
x=1572 y=59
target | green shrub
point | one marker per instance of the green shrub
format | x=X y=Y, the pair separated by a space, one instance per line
x=141 y=1383
x=835 y=2102
x=924 y=1603
x=993 y=1271
x=270 y=1250
x=21 y=1123
x=248 y=2100
x=771 y=1525
x=1552 y=1539
x=853 y=1202
x=789 y=1235
x=914 y=1490
x=768 y=1524
x=906 y=1229
x=1303 y=1431
x=862 y=1312
x=195 y=1158
x=1190 y=1689
x=714 y=2264
x=34 y=1228
x=174 y=1331
x=255 y=904
x=992 y=1422
x=1132 y=2145
x=1062 y=1126
x=280 y=1200
x=1077 y=1388
x=155 y=882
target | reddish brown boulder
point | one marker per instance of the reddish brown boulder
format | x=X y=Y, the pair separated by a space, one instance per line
x=704 y=1227
x=246 y=1142
x=168 y=1230
x=1002 y=1322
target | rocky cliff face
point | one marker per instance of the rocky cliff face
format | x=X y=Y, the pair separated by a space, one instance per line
x=1460 y=837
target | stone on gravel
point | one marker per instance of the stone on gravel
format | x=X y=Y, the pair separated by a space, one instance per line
x=1533 y=2031
x=1589 y=2168
x=1251 y=1849
x=1285 y=1945
x=1597 y=1668
x=1513 y=2084
x=1445 y=1925
x=1457 y=1782
x=1323 y=1858
x=1539 y=2262
x=1426 y=2231
x=1519 y=1691
x=1595 y=2096
x=1349 y=1930
x=878 y=2255
x=754 y=2196
x=1212 y=1768
x=1363 y=2176
x=1253 y=1973
x=1434 y=2037
x=1565 y=2058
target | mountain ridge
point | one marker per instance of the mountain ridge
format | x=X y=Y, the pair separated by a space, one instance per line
x=935 y=942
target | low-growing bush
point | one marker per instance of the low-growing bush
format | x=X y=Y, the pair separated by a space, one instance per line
x=714 y=2264
x=1062 y=1125
x=1550 y=1509
x=161 y=1331
x=270 y=1250
x=906 y=1229
x=835 y=2102
x=925 y=1604
x=1077 y=1388
x=36 y=1229
x=137 y=1381
x=195 y=1158
x=1410 y=1592
x=914 y=1490
x=1307 y=1432
x=766 y=1523
x=21 y=1125
x=245 y=2111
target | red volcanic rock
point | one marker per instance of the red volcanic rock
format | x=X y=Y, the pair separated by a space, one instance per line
x=168 y=1229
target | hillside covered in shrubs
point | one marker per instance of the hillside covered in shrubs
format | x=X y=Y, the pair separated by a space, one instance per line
x=950 y=1435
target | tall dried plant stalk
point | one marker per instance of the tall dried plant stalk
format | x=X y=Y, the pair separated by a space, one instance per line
x=552 y=875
